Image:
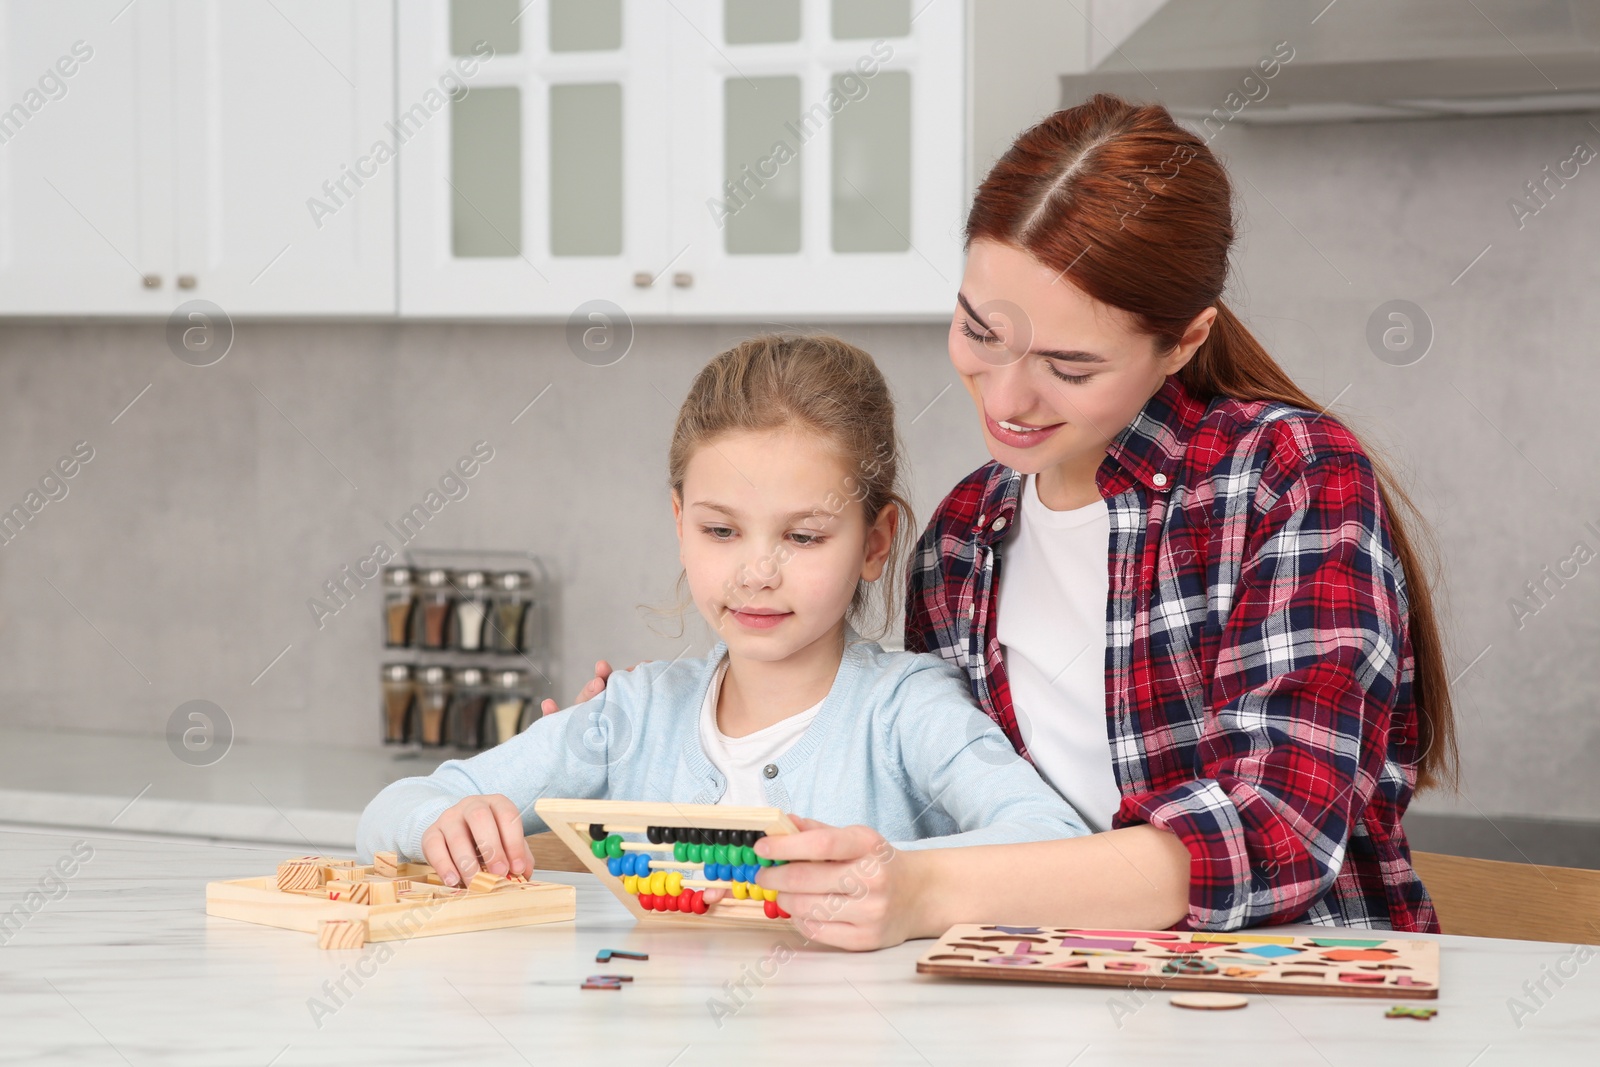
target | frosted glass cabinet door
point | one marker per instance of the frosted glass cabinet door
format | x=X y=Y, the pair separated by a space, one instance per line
x=286 y=170
x=85 y=160
x=820 y=153
x=543 y=182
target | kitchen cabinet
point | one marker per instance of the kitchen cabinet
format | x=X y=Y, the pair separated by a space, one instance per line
x=701 y=159
x=86 y=177
x=536 y=169
x=198 y=150
x=704 y=159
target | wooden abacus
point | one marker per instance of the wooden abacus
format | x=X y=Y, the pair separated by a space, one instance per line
x=659 y=859
x=347 y=904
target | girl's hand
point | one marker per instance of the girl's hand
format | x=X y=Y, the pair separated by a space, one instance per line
x=479 y=833
x=852 y=890
x=602 y=671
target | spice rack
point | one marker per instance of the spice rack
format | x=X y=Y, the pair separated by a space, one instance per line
x=467 y=660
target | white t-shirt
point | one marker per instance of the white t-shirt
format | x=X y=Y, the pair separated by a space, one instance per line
x=1052 y=629
x=741 y=759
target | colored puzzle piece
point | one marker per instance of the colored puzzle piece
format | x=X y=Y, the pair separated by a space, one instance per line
x=1270 y=952
x=1359 y=955
x=1097 y=942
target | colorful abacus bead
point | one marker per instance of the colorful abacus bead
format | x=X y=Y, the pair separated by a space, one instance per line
x=597 y=832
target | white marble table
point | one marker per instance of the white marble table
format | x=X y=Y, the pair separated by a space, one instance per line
x=124 y=967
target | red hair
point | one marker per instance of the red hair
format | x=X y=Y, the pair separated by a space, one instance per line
x=1139 y=212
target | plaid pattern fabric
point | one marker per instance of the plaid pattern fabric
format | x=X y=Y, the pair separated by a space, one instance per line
x=1258 y=668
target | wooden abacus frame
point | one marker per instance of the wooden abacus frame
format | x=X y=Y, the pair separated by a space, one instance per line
x=570 y=820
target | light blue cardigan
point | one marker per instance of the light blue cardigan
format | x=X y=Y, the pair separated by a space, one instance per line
x=897 y=745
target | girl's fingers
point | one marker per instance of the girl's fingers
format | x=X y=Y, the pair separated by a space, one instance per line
x=485 y=830
x=821 y=842
x=828 y=919
x=838 y=878
x=518 y=855
x=548 y=707
x=463 y=853
x=436 y=854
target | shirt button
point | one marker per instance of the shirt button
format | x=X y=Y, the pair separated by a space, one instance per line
x=999 y=524
x=1159 y=479
x=981 y=518
x=770 y=770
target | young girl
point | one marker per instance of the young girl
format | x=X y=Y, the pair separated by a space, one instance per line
x=784 y=475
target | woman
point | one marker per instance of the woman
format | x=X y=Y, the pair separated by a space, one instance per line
x=1247 y=694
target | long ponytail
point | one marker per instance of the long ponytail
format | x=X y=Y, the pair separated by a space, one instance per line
x=1139 y=212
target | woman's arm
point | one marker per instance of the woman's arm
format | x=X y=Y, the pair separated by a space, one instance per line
x=1295 y=739
x=859 y=893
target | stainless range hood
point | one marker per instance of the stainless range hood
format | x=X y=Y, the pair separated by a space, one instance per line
x=1351 y=59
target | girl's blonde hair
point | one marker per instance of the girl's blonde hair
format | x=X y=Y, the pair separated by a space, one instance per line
x=820 y=385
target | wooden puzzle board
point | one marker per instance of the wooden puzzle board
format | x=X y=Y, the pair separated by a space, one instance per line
x=428 y=909
x=1340 y=965
x=571 y=821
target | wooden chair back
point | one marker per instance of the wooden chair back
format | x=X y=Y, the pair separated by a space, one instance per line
x=1487 y=898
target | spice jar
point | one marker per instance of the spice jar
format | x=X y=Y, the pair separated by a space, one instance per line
x=471 y=610
x=398 y=693
x=510 y=610
x=464 y=725
x=507 y=697
x=433 y=698
x=399 y=606
x=435 y=600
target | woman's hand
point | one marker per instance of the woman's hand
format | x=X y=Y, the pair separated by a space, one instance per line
x=602 y=671
x=478 y=833
x=845 y=886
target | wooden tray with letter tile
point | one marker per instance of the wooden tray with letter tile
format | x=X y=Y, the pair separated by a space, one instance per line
x=391 y=900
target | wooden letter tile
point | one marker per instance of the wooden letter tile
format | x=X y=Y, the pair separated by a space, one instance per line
x=341 y=933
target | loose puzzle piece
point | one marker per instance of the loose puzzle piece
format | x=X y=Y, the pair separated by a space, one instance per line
x=659 y=859
x=1402 y=1011
x=1220 y=963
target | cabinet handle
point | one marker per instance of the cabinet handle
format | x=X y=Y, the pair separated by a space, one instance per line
x=152 y=281
x=683 y=279
x=186 y=281
x=642 y=279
